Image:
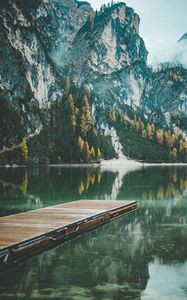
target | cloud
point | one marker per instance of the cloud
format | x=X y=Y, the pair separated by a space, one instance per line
x=175 y=52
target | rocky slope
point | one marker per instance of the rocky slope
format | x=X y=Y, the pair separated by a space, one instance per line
x=45 y=42
x=112 y=57
x=165 y=97
x=29 y=78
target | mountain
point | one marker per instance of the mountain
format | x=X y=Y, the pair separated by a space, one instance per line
x=68 y=74
x=165 y=96
x=181 y=50
x=29 y=36
x=183 y=37
x=111 y=54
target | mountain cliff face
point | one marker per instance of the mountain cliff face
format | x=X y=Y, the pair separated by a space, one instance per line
x=30 y=35
x=112 y=58
x=46 y=42
x=165 y=96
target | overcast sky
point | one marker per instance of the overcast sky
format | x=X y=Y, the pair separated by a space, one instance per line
x=163 y=22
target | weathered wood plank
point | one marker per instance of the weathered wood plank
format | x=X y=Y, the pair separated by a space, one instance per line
x=24 y=233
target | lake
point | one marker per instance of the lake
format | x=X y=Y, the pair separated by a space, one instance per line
x=142 y=255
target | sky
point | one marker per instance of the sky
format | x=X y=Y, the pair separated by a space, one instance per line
x=163 y=22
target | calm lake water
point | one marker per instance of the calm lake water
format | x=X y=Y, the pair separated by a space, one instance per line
x=139 y=256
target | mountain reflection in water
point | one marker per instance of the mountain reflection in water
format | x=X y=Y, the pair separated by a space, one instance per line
x=140 y=256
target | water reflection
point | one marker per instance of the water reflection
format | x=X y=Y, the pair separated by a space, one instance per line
x=140 y=256
x=22 y=189
x=112 y=262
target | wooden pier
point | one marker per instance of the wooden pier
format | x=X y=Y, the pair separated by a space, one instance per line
x=25 y=234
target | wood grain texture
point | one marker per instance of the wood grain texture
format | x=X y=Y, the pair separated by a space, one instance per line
x=19 y=228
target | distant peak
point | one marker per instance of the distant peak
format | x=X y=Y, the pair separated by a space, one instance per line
x=80 y=3
x=111 y=5
x=184 y=37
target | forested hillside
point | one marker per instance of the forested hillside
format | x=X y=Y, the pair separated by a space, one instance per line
x=69 y=73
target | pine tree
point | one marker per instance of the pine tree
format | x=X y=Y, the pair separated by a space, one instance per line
x=185 y=146
x=144 y=133
x=67 y=86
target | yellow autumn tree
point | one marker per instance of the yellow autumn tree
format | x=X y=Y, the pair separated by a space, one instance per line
x=142 y=126
x=88 y=182
x=92 y=178
x=81 y=188
x=169 y=139
x=22 y=120
x=86 y=108
x=92 y=152
x=160 y=136
x=87 y=149
x=153 y=128
x=25 y=182
x=113 y=116
x=83 y=125
x=144 y=133
x=174 y=152
x=87 y=117
x=74 y=111
x=81 y=143
x=98 y=153
x=98 y=177
x=150 y=132
x=25 y=151
x=71 y=102
x=180 y=145
x=125 y=119
x=137 y=124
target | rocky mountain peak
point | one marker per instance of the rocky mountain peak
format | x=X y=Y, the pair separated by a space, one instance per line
x=120 y=12
x=46 y=42
x=84 y=5
x=183 y=38
x=109 y=41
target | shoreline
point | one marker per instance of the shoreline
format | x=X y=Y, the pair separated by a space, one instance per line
x=103 y=164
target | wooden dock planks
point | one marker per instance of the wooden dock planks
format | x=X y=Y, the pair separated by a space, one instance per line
x=26 y=233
